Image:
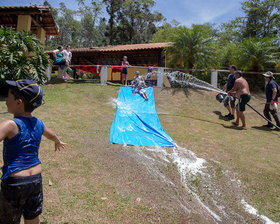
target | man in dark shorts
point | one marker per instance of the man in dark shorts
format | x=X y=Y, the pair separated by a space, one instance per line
x=242 y=91
x=230 y=99
x=271 y=99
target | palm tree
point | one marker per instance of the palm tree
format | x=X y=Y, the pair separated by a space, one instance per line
x=257 y=55
x=191 y=48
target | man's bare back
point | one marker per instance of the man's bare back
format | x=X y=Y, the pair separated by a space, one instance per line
x=241 y=87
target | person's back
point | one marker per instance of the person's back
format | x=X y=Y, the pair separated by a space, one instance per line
x=229 y=101
x=28 y=138
x=230 y=82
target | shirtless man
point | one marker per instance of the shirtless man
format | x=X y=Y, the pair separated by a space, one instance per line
x=241 y=89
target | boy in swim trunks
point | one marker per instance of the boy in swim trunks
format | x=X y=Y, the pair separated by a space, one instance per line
x=21 y=186
x=241 y=88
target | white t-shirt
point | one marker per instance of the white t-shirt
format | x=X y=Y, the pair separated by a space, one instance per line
x=67 y=55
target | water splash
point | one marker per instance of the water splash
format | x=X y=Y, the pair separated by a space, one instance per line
x=208 y=195
x=251 y=210
x=113 y=102
x=187 y=80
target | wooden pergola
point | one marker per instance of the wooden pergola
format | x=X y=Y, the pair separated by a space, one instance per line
x=37 y=20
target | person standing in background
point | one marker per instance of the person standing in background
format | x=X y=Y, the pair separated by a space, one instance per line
x=242 y=91
x=67 y=55
x=125 y=63
x=271 y=99
x=230 y=99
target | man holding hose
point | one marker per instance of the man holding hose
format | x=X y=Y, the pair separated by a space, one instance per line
x=271 y=99
x=241 y=88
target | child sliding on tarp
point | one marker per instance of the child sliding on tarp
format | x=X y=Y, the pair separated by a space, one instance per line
x=139 y=84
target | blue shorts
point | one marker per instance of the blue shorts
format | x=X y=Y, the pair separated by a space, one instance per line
x=21 y=196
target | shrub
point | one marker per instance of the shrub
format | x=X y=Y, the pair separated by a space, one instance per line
x=21 y=57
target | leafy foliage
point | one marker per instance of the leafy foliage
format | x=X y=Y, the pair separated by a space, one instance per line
x=21 y=56
x=191 y=48
x=257 y=54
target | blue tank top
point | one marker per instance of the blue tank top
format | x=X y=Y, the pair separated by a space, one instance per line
x=21 y=151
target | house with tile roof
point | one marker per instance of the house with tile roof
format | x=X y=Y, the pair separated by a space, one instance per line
x=138 y=54
x=37 y=20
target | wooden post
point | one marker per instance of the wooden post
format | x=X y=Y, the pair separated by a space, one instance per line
x=160 y=77
x=103 y=78
x=41 y=34
x=60 y=73
x=49 y=72
x=214 y=78
x=24 y=23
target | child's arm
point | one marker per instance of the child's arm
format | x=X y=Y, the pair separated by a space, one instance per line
x=8 y=129
x=49 y=134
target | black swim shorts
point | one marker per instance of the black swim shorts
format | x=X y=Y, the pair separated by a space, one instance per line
x=124 y=70
x=243 y=100
x=20 y=196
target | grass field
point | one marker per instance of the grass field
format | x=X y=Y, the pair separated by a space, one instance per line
x=92 y=181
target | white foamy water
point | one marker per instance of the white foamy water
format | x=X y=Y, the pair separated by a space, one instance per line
x=187 y=163
x=190 y=166
x=187 y=80
x=113 y=102
x=251 y=210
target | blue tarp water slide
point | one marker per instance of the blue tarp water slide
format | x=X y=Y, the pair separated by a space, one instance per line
x=136 y=121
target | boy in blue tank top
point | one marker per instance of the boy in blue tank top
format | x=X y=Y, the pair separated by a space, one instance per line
x=21 y=185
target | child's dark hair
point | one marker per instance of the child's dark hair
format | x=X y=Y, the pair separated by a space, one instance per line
x=233 y=67
x=28 y=107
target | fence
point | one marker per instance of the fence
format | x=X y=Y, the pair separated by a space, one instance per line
x=159 y=78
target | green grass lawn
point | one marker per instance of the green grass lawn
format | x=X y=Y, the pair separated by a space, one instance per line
x=88 y=182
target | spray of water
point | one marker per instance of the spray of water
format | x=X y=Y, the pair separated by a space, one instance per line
x=187 y=80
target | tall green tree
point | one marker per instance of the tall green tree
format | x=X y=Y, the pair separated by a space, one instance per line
x=165 y=32
x=89 y=19
x=69 y=28
x=191 y=48
x=257 y=55
x=112 y=8
x=261 y=19
x=137 y=22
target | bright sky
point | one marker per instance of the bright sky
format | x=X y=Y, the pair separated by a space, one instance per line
x=186 y=12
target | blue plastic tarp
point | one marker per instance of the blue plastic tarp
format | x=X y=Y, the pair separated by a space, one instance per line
x=136 y=121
